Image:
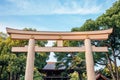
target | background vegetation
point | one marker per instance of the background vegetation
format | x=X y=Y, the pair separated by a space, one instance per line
x=110 y=19
x=12 y=65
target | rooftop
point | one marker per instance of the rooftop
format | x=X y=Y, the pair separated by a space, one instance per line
x=51 y=66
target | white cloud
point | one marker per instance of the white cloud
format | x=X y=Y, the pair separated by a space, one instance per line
x=92 y=10
x=41 y=7
x=83 y=7
x=2 y=28
x=52 y=58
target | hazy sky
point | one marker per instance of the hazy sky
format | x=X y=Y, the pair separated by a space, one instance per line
x=50 y=15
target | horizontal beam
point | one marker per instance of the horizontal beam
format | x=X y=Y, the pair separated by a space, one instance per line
x=47 y=35
x=60 y=37
x=16 y=31
x=59 y=49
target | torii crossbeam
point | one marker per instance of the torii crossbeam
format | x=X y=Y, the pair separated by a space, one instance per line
x=59 y=36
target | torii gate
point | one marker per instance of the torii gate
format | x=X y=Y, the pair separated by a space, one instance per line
x=59 y=36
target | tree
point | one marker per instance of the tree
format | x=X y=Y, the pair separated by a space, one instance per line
x=110 y=19
x=71 y=61
x=12 y=65
x=74 y=76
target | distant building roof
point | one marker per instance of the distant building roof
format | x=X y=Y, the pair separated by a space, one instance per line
x=100 y=76
x=51 y=66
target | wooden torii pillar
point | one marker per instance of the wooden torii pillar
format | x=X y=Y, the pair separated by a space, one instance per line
x=59 y=36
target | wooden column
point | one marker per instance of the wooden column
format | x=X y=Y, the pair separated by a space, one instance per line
x=89 y=60
x=59 y=43
x=30 y=60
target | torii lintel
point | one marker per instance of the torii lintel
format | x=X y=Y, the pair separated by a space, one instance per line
x=49 y=35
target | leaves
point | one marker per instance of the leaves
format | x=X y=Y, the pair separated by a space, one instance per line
x=14 y=63
x=110 y=19
x=74 y=76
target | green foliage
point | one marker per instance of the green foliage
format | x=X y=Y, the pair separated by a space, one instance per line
x=9 y=61
x=38 y=75
x=12 y=65
x=74 y=76
x=110 y=19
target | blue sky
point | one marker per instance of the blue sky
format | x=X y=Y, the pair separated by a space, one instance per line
x=50 y=15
